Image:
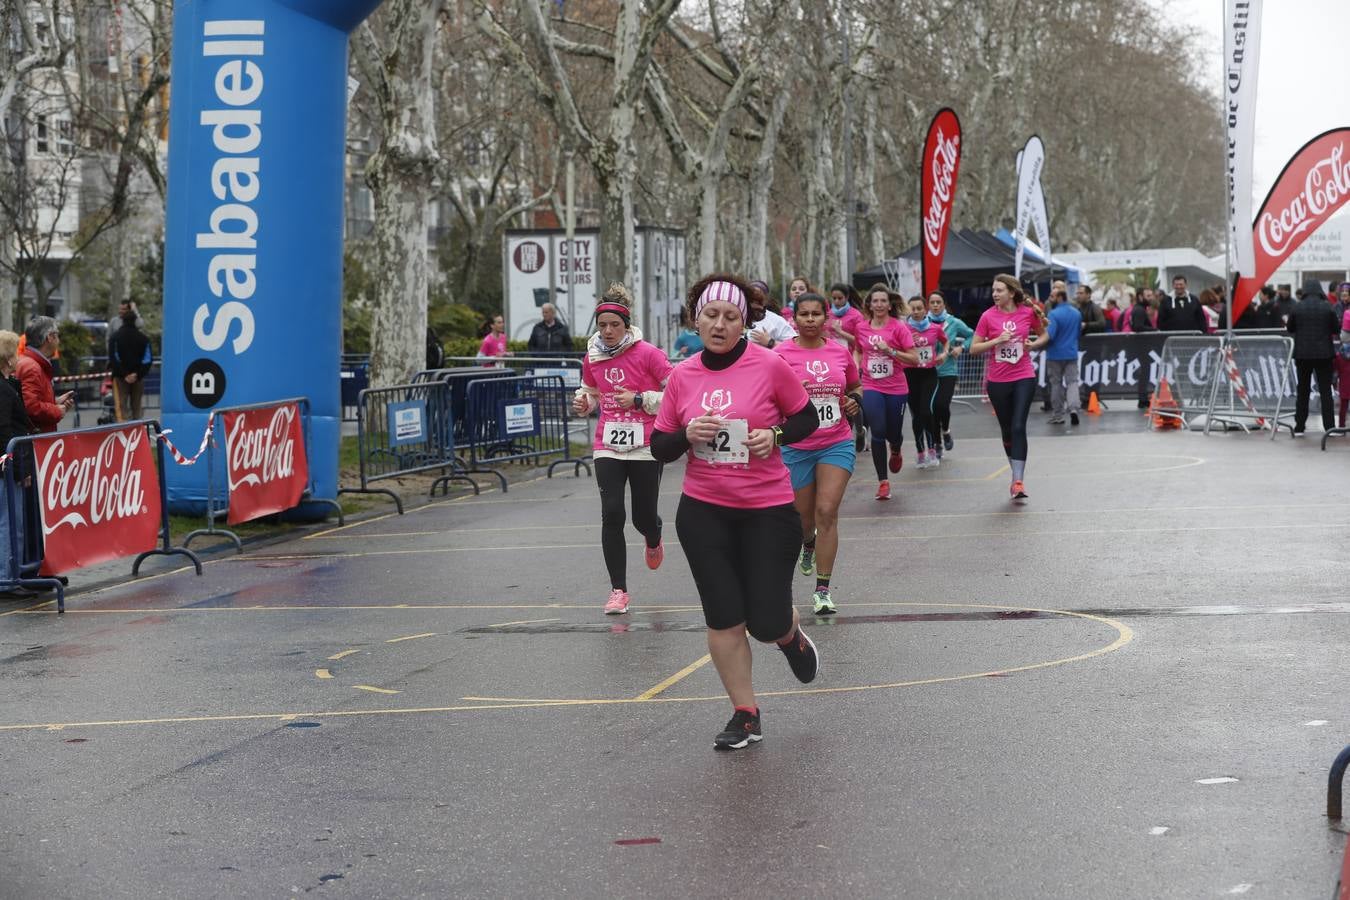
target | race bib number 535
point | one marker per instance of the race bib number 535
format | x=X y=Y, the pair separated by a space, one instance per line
x=879 y=366
x=727 y=447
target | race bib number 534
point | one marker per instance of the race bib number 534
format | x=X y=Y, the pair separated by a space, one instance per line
x=1010 y=352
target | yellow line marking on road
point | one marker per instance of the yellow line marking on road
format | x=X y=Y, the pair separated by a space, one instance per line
x=373 y=690
x=347 y=653
x=666 y=609
x=676 y=678
x=36 y=606
x=997 y=472
x=523 y=622
x=349 y=608
x=362 y=537
x=322 y=673
x=411 y=637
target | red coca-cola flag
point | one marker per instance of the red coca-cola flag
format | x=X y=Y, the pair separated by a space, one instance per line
x=264 y=461
x=1313 y=185
x=937 y=191
x=98 y=495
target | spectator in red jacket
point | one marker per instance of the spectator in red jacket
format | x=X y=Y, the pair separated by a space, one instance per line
x=34 y=369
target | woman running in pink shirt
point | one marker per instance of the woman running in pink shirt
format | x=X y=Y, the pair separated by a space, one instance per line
x=821 y=464
x=884 y=347
x=622 y=376
x=729 y=410
x=1013 y=329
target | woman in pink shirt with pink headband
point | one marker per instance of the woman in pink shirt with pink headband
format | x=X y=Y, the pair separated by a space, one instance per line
x=1012 y=328
x=729 y=410
x=622 y=376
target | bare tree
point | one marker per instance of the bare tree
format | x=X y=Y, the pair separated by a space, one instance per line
x=395 y=52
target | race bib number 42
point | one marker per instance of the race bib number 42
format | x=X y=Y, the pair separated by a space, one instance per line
x=727 y=447
x=1010 y=352
x=879 y=366
x=623 y=436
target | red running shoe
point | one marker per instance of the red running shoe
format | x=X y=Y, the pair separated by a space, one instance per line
x=655 y=555
x=884 y=490
x=897 y=461
x=1018 y=490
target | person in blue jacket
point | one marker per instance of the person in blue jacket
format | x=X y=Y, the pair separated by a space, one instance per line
x=958 y=338
x=1061 y=358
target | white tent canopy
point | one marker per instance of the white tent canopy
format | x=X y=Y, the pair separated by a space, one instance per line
x=1198 y=269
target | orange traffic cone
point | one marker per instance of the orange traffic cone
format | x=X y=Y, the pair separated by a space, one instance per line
x=1094 y=405
x=1163 y=411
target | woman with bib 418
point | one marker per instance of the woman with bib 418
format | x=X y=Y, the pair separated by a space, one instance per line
x=623 y=375
x=729 y=410
x=821 y=464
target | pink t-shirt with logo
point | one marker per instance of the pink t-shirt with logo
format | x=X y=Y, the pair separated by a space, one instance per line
x=493 y=345
x=849 y=322
x=882 y=372
x=641 y=367
x=759 y=390
x=825 y=372
x=928 y=343
x=1010 y=361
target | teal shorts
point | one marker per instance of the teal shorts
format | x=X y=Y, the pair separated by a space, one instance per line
x=802 y=463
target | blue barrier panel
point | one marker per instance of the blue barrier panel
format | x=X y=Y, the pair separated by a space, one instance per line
x=253 y=234
x=520 y=419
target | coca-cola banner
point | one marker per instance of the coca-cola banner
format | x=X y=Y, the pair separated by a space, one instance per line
x=265 y=460
x=1313 y=185
x=98 y=495
x=937 y=191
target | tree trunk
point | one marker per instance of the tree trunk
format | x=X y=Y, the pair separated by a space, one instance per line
x=761 y=181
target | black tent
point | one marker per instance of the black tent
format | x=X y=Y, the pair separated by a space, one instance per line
x=972 y=260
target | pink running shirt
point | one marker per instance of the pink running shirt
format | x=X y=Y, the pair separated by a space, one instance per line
x=1010 y=361
x=493 y=345
x=641 y=367
x=826 y=372
x=928 y=342
x=849 y=322
x=882 y=372
x=760 y=390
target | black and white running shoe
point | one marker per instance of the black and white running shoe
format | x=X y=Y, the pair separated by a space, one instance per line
x=741 y=731
x=802 y=657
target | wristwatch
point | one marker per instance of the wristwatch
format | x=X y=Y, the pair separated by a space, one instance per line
x=777 y=435
x=637 y=399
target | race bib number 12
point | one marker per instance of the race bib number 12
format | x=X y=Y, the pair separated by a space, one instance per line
x=727 y=447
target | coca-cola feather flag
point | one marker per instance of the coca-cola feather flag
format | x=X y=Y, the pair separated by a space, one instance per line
x=1313 y=185
x=937 y=192
x=98 y=497
x=265 y=461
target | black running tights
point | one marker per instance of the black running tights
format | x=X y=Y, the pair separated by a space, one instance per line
x=923 y=385
x=644 y=481
x=942 y=402
x=1012 y=404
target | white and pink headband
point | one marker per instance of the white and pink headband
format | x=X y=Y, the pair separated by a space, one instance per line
x=725 y=292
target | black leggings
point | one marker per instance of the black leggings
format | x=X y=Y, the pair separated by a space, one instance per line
x=1012 y=404
x=942 y=402
x=644 y=480
x=923 y=385
x=742 y=562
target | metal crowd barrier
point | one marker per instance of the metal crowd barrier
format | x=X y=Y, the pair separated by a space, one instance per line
x=1252 y=383
x=524 y=418
x=353 y=378
x=1190 y=363
x=970 y=374
x=405 y=429
x=212 y=510
x=24 y=520
x=93 y=401
x=566 y=367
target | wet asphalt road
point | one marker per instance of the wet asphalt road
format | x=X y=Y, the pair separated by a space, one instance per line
x=1015 y=703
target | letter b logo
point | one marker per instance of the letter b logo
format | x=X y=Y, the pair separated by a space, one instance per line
x=204 y=383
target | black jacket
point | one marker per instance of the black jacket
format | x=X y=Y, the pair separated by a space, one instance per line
x=1313 y=324
x=14 y=421
x=1094 y=320
x=1139 y=321
x=544 y=339
x=1180 y=314
x=128 y=352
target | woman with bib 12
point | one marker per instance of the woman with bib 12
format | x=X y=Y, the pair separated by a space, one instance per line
x=821 y=465
x=1012 y=329
x=729 y=410
x=623 y=376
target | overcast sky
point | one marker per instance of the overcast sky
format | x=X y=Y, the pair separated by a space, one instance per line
x=1303 y=88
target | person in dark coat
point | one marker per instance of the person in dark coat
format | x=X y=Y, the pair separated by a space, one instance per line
x=130 y=359
x=549 y=335
x=1180 y=310
x=1314 y=327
